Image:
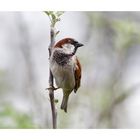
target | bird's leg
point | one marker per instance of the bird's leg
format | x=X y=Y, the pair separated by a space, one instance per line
x=53 y=88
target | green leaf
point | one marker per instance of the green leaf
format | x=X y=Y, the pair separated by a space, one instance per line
x=57 y=33
x=59 y=13
x=47 y=13
x=53 y=17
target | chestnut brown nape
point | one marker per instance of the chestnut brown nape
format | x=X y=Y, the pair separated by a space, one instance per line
x=60 y=43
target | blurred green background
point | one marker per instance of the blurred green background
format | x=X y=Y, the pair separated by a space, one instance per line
x=110 y=89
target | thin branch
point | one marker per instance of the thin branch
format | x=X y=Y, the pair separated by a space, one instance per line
x=51 y=82
x=54 y=18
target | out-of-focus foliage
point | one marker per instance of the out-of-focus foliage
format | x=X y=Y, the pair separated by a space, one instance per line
x=11 y=118
x=116 y=35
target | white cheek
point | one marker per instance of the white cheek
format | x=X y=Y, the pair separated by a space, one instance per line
x=72 y=48
x=68 y=48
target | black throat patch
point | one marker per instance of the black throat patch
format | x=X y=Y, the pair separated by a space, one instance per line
x=61 y=58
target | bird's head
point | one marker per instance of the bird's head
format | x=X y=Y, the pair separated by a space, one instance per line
x=68 y=44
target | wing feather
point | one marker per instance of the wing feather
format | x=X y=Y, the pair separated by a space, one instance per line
x=77 y=74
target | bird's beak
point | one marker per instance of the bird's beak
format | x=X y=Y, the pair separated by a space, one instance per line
x=78 y=45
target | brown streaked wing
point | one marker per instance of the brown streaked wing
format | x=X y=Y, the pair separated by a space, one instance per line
x=77 y=73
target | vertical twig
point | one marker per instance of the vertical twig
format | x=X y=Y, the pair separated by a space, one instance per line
x=54 y=18
x=51 y=82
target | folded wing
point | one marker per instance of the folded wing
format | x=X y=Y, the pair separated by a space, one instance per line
x=77 y=73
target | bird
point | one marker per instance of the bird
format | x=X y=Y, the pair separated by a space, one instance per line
x=66 y=68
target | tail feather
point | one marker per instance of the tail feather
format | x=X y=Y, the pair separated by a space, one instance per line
x=64 y=103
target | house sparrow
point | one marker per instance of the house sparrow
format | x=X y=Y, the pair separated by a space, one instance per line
x=66 y=67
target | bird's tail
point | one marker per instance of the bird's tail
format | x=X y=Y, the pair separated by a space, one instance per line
x=64 y=103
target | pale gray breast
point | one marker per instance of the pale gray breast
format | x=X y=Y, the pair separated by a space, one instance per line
x=63 y=74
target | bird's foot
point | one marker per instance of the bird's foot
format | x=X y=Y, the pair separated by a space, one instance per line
x=52 y=88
